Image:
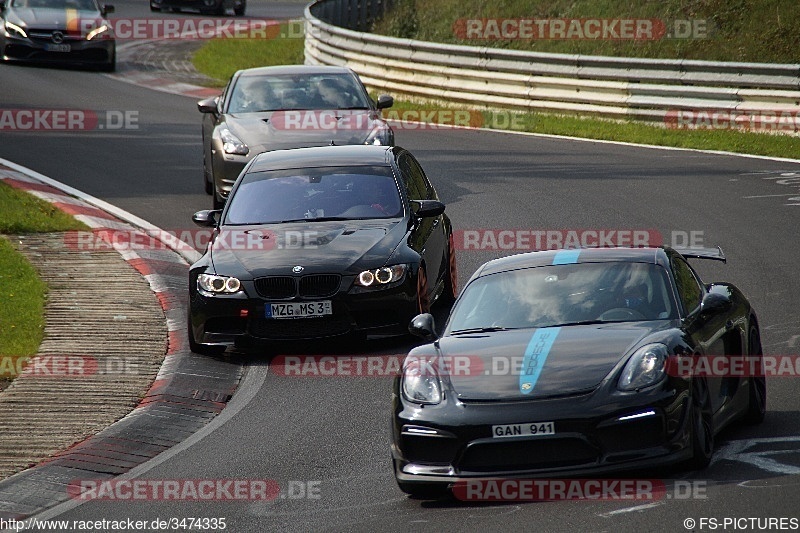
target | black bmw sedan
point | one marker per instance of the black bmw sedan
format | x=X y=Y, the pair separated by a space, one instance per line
x=563 y=363
x=321 y=242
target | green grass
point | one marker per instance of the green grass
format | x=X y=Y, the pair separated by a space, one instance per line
x=22 y=293
x=737 y=30
x=636 y=132
x=24 y=213
x=220 y=58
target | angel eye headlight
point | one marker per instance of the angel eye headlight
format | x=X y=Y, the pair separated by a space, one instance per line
x=381 y=276
x=213 y=284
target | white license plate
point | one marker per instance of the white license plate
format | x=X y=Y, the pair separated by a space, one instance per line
x=523 y=430
x=58 y=47
x=299 y=309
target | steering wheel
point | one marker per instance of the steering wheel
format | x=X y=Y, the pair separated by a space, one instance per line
x=621 y=313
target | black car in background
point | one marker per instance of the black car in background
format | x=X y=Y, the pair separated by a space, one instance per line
x=57 y=31
x=275 y=108
x=567 y=367
x=209 y=7
x=321 y=242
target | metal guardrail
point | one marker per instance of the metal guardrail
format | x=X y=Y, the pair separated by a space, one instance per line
x=485 y=77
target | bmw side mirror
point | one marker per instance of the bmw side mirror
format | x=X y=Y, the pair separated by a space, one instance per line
x=206 y=218
x=385 y=101
x=424 y=327
x=105 y=9
x=209 y=105
x=715 y=303
x=427 y=208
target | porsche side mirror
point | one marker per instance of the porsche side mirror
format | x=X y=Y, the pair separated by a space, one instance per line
x=206 y=218
x=209 y=105
x=385 y=101
x=423 y=326
x=427 y=208
x=715 y=303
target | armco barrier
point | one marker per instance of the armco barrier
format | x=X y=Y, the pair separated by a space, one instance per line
x=496 y=78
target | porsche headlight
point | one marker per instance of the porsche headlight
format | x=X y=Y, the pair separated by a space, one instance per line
x=231 y=144
x=213 y=284
x=381 y=276
x=647 y=366
x=421 y=382
x=101 y=31
x=381 y=135
x=12 y=30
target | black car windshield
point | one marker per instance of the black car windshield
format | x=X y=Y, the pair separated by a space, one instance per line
x=340 y=193
x=80 y=5
x=297 y=91
x=560 y=295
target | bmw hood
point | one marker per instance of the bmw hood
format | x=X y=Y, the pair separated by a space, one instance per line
x=539 y=363
x=302 y=129
x=319 y=247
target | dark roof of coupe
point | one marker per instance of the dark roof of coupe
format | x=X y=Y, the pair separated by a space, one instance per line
x=584 y=255
x=293 y=69
x=322 y=156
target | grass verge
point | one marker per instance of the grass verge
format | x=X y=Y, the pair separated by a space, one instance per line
x=22 y=293
x=221 y=58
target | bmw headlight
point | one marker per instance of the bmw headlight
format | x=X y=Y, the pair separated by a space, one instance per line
x=12 y=30
x=381 y=276
x=231 y=144
x=647 y=366
x=213 y=284
x=421 y=382
x=381 y=135
x=101 y=31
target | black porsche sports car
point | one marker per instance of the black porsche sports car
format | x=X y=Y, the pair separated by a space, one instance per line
x=321 y=242
x=556 y=363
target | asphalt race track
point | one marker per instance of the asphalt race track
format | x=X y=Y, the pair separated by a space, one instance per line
x=332 y=434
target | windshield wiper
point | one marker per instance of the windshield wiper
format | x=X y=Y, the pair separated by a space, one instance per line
x=586 y=323
x=480 y=330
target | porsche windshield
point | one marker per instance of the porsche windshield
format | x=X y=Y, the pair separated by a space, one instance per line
x=308 y=194
x=583 y=293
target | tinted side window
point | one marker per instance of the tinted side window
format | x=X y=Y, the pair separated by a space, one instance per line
x=413 y=177
x=689 y=289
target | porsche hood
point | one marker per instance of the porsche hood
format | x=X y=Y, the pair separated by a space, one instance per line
x=539 y=363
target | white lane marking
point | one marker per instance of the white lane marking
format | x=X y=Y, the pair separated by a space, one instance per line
x=737 y=451
x=248 y=388
x=793 y=341
x=620 y=143
x=634 y=509
x=770 y=195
